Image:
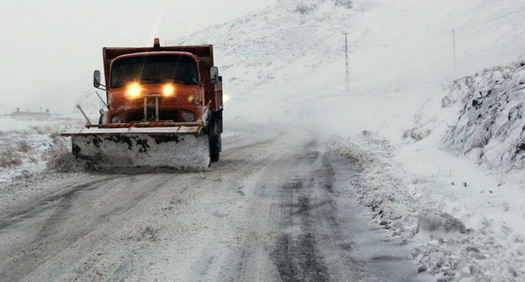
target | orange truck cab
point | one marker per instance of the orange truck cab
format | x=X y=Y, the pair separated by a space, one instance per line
x=178 y=77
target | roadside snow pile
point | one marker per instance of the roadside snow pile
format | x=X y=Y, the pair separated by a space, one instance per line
x=449 y=238
x=491 y=127
x=64 y=161
x=384 y=188
x=27 y=143
x=432 y=221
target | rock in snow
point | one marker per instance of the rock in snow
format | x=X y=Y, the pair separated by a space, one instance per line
x=491 y=123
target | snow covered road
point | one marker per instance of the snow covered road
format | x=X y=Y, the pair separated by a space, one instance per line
x=273 y=209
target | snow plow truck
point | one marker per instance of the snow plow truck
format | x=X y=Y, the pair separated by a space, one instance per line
x=164 y=109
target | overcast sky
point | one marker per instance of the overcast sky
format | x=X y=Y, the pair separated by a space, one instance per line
x=51 y=47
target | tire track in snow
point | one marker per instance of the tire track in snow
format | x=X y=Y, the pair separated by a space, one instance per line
x=292 y=232
x=67 y=218
x=44 y=204
x=296 y=253
x=312 y=246
x=210 y=265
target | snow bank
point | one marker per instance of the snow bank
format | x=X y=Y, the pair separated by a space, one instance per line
x=464 y=221
x=452 y=235
x=432 y=221
x=482 y=194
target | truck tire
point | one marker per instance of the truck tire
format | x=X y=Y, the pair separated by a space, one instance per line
x=215 y=140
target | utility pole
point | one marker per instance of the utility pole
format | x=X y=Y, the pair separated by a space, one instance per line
x=347 y=74
x=454 y=50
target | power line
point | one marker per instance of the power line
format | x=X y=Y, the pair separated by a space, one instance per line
x=448 y=30
x=491 y=19
x=358 y=44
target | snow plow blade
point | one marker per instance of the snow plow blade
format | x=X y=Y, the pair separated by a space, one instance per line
x=173 y=147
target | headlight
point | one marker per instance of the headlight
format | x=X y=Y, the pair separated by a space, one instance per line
x=116 y=119
x=133 y=90
x=168 y=90
x=188 y=116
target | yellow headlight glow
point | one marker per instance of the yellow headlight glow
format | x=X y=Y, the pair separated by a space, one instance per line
x=134 y=90
x=168 y=90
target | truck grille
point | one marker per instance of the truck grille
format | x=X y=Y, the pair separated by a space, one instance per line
x=165 y=115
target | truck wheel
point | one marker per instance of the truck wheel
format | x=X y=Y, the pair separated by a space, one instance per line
x=215 y=140
x=215 y=145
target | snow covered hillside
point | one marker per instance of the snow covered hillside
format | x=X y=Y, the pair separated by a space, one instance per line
x=290 y=57
x=283 y=57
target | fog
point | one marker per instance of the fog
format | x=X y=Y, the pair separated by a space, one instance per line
x=50 y=48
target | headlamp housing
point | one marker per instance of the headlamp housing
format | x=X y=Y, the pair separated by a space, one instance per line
x=168 y=90
x=133 y=90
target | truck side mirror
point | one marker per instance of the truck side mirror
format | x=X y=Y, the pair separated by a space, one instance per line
x=214 y=74
x=96 y=79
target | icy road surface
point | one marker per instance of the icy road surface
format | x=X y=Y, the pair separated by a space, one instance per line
x=275 y=208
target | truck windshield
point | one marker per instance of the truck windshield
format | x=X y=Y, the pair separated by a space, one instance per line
x=154 y=69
